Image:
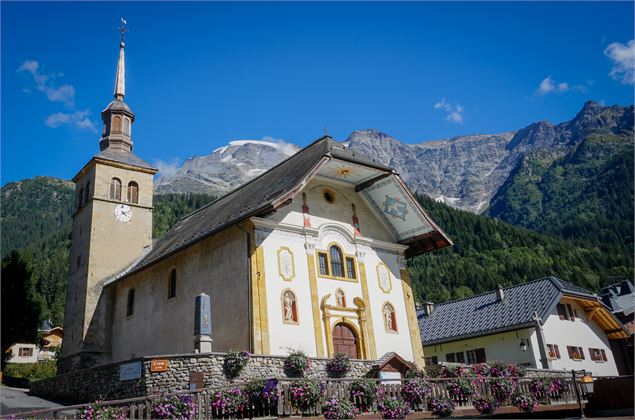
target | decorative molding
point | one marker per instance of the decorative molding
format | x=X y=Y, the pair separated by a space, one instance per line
x=261 y=234
x=286 y=264
x=401 y=262
x=360 y=330
x=310 y=248
x=384 y=279
x=344 y=269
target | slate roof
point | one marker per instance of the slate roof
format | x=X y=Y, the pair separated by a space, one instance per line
x=620 y=297
x=128 y=158
x=485 y=314
x=253 y=198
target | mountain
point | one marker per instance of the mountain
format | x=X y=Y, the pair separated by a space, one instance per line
x=585 y=190
x=34 y=209
x=225 y=168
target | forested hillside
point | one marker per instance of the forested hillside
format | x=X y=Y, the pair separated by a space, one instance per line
x=488 y=252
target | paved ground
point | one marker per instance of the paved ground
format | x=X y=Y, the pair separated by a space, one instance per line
x=16 y=400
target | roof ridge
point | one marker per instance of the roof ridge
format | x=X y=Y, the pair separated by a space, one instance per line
x=494 y=291
x=253 y=179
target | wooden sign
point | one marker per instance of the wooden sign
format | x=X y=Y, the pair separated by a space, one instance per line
x=159 y=365
x=196 y=380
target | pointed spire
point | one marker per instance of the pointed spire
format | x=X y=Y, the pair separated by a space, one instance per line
x=120 y=78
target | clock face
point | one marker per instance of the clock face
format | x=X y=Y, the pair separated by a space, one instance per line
x=123 y=213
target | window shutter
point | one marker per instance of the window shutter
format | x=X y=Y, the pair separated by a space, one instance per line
x=555 y=346
x=480 y=355
x=449 y=357
x=460 y=357
x=603 y=355
x=571 y=316
x=571 y=351
x=581 y=353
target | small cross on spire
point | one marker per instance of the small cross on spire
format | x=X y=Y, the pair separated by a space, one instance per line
x=326 y=131
x=122 y=28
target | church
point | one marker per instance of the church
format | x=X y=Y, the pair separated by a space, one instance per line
x=310 y=255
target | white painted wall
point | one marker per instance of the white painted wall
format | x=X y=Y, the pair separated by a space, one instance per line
x=503 y=347
x=332 y=223
x=15 y=353
x=583 y=333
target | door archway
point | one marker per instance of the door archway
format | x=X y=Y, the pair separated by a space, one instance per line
x=345 y=341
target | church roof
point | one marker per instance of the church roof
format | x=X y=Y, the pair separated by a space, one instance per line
x=121 y=156
x=272 y=189
x=485 y=314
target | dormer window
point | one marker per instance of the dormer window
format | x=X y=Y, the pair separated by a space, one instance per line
x=115 y=189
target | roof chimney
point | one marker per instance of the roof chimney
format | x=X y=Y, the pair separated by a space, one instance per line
x=500 y=293
x=428 y=307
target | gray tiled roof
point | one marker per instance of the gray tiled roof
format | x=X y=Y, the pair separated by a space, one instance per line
x=123 y=157
x=485 y=314
x=255 y=197
x=620 y=297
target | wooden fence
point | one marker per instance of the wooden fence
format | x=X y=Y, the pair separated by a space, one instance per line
x=142 y=407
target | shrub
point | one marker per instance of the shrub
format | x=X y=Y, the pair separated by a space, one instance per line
x=515 y=370
x=229 y=402
x=480 y=369
x=339 y=409
x=539 y=388
x=459 y=388
x=393 y=408
x=32 y=371
x=524 y=402
x=297 y=363
x=262 y=392
x=235 y=362
x=339 y=364
x=452 y=372
x=484 y=406
x=414 y=391
x=498 y=370
x=415 y=373
x=174 y=406
x=305 y=394
x=502 y=388
x=441 y=407
x=364 y=393
x=557 y=387
x=93 y=411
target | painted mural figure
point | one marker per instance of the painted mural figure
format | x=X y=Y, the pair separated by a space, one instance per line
x=340 y=299
x=289 y=312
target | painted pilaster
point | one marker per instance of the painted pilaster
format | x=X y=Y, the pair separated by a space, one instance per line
x=317 y=326
x=372 y=347
x=260 y=327
x=413 y=325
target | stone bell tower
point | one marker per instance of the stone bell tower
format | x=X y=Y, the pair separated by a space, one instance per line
x=112 y=228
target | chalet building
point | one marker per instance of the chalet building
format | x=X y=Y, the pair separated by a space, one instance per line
x=310 y=255
x=620 y=299
x=544 y=324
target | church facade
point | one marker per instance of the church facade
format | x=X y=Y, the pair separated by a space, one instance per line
x=310 y=255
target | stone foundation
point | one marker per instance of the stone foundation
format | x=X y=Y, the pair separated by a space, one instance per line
x=103 y=382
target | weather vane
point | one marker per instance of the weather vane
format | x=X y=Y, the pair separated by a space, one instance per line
x=326 y=131
x=122 y=28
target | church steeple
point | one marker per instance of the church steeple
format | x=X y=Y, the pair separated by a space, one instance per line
x=118 y=117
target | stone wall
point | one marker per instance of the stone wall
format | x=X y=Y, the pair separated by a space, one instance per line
x=103 y=382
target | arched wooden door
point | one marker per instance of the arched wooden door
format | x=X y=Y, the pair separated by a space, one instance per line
x=345 y=341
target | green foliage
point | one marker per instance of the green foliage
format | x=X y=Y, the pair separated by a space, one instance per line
x=169 y=208
x=21 y=307
x=32 y=371
x=585 y=195
x=34 y=209
x=488 y=252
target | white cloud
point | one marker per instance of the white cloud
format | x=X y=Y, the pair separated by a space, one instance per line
x=44 y=83
x=623 y=57
x=167 y=169
x=549 y=85
x=455 y=112
x=78 y=119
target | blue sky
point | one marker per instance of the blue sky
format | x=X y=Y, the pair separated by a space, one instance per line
x=202 y=74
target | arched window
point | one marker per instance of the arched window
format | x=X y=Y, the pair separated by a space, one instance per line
x=337 y=269
x=390 y=319
x=340 y=298
x=116 y=124
x=80 y=198
x=172 y=284
x=115 y=189
x=133 y=192
x=126 y=126
x=289 y=307
x=87 y=192
x=130 y=303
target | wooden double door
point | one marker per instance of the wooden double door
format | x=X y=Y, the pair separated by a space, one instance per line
x=345 y=341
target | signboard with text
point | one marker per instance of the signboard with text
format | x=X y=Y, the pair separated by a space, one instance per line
x=159 y=365
x=130 y=371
